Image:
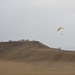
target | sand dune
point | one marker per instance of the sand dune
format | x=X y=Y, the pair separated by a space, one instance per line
x=34 y=58
x=33 y=51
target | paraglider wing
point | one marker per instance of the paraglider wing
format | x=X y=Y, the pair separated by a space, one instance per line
x=60 y=28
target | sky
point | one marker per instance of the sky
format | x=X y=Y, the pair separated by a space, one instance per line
x=39 y=20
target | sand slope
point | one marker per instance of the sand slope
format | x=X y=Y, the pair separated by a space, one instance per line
x=33 y=51
x=34 y=58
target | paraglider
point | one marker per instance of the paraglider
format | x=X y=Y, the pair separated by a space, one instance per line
x=59 y=29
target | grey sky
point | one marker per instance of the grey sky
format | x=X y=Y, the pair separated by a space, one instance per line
x=38 y=20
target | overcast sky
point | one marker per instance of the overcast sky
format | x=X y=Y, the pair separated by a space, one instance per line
x=38 y=20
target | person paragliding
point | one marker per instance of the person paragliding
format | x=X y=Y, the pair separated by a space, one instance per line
x=59 y=29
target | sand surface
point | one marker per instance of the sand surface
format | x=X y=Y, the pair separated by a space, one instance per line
x=35 y=58
x=47 y=68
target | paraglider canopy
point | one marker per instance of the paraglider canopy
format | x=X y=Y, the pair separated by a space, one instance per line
x=60 y=28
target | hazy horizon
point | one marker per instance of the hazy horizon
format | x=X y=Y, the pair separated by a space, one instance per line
x=38 y=20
